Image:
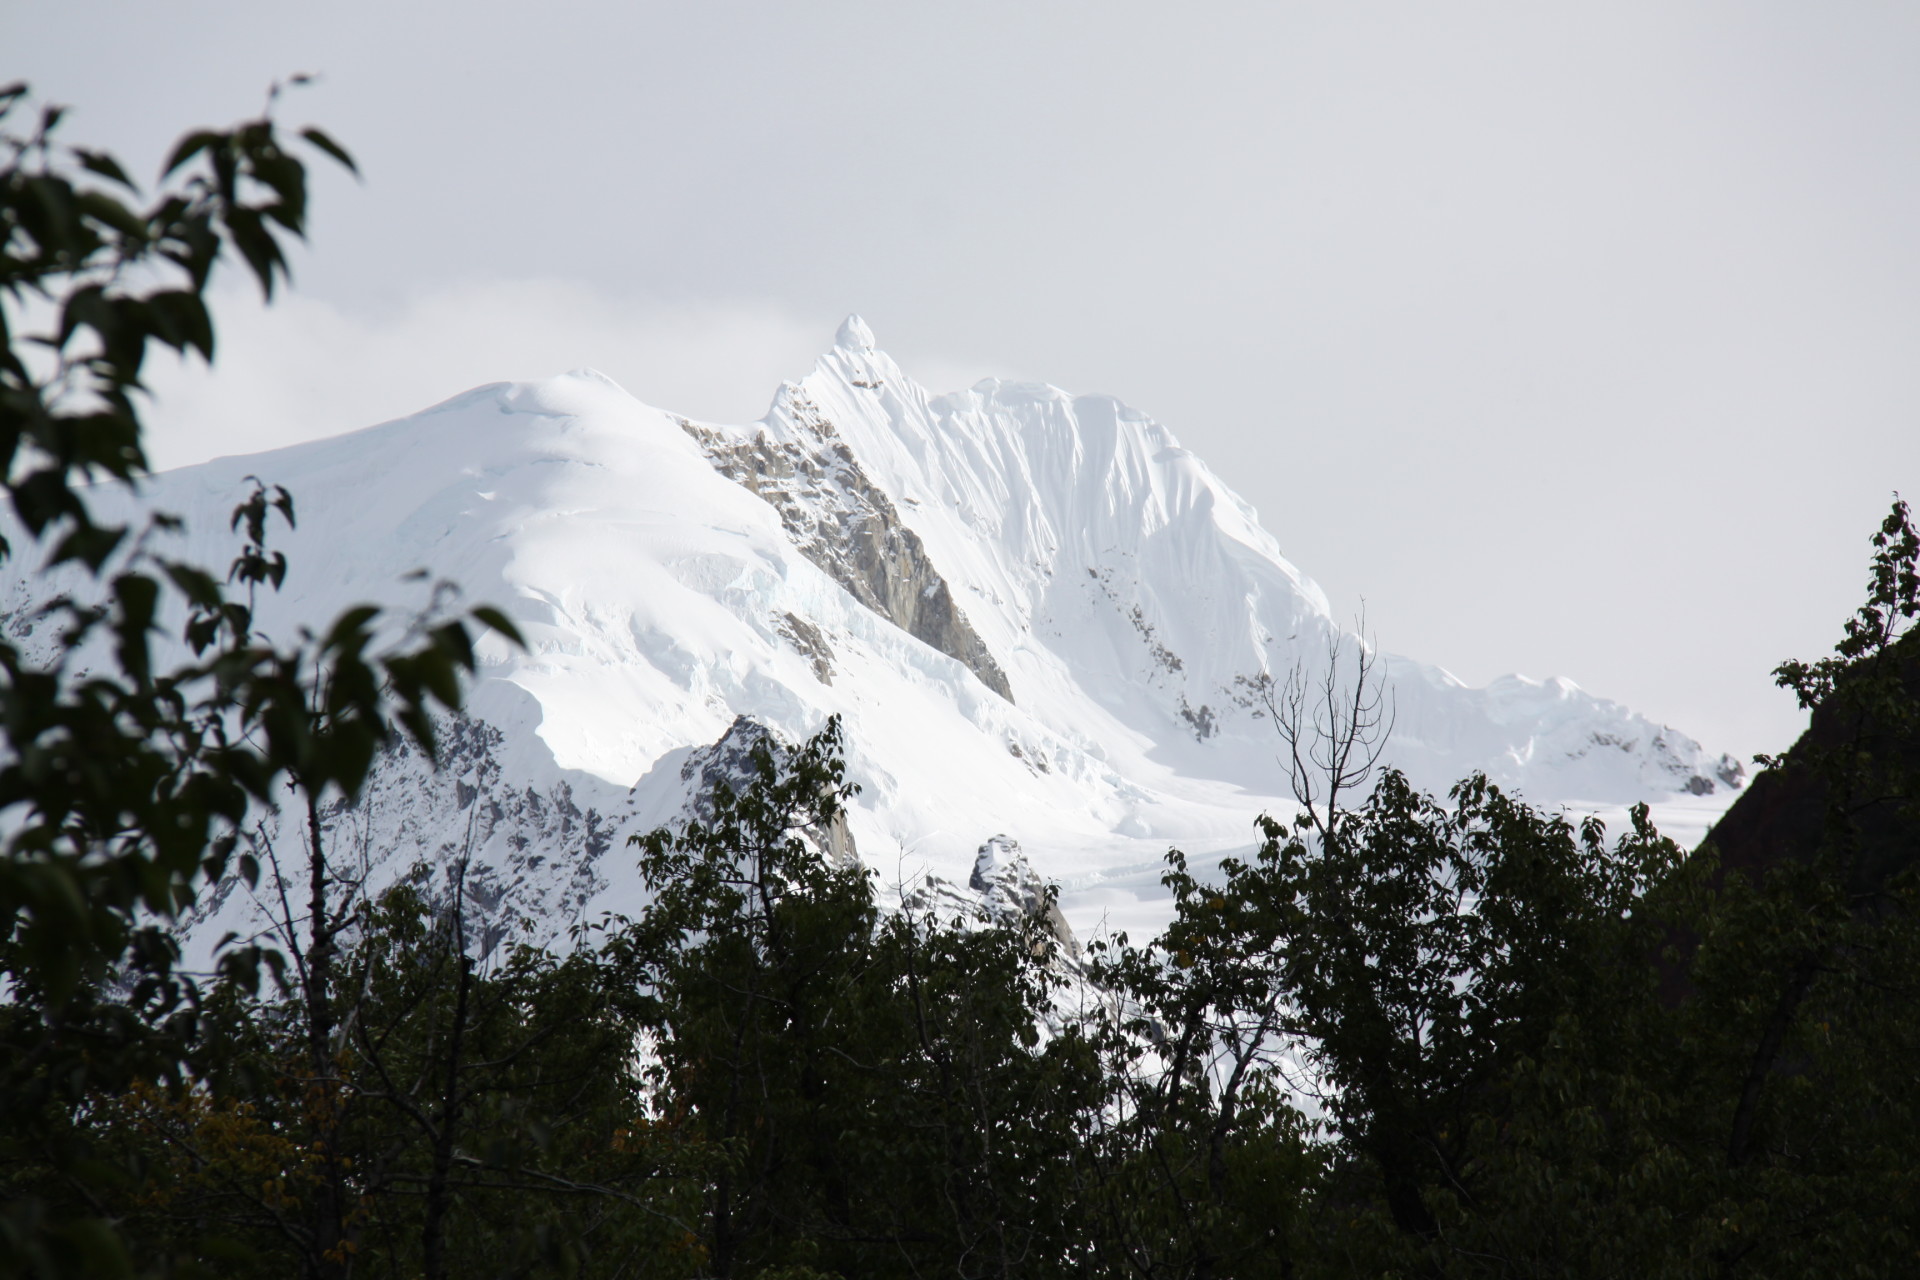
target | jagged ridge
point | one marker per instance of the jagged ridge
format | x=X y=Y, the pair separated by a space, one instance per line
x=672 y=577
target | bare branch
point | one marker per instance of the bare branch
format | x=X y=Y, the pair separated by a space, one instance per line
x=1334 y=725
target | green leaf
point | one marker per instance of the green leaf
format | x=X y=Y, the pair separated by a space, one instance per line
x=90 y=544
x=103 y=207
x=101 y=163
x=496 y=621
x=451 y=639
x=195 y=583
x=189 y=147
x=349 y=630
x=332 y=148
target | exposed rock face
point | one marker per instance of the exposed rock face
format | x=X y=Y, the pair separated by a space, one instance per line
x=1725 y=772
x=729 y=760
x=839 y=519
x=534 y=855
x=811 y=643
x=1005 y=890
x=1731 y=773
x=1012 y=888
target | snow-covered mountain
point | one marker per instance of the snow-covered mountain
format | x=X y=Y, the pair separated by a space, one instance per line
x=1040 y=618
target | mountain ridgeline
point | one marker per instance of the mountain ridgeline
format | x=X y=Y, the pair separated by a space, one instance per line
x=1035 y=613
x=719 y=905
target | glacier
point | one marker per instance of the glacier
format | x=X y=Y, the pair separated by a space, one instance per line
x=1041 y=620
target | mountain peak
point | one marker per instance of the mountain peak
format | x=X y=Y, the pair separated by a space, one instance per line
x=871 y=552
x=854 y=335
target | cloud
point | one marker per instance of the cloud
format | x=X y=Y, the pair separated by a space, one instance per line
x=304 y=368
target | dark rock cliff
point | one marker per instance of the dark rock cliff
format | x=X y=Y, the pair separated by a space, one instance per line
x=844 y=523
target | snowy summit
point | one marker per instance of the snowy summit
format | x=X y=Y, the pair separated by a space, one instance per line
x=1039 y=617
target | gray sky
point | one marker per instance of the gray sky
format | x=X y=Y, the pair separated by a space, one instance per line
x=1576 y=339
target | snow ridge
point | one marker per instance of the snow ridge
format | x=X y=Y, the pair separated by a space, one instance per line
x=1037 y=615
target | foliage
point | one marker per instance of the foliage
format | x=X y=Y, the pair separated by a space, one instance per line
x=1408 y=1036
x=869 y=1094
x=1435 y=1038
x=130 y=757
x=1872 y=634
x=487 y=1115
x=1523 y=1051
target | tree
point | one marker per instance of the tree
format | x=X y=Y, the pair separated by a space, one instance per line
x=1334 y=728
x=487 y=1115
x=861 y=1093
x=1793 y=949
x=1541 y=1055
x=130 y=759
x=1534 y=1052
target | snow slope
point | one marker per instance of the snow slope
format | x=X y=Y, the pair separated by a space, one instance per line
x=1038 y=615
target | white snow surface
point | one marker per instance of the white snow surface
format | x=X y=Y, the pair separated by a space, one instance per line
x=1124 y=590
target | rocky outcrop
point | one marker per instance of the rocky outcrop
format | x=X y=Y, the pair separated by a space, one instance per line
x=531 y=856
x=1004 y=889
x=729 y=761
x=844 y=523
x=1012 y=889
x=811 y=644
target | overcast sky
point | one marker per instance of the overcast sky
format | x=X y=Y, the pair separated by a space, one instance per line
x=1575 y=339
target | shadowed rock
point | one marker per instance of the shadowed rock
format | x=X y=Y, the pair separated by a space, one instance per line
x=847 y=526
